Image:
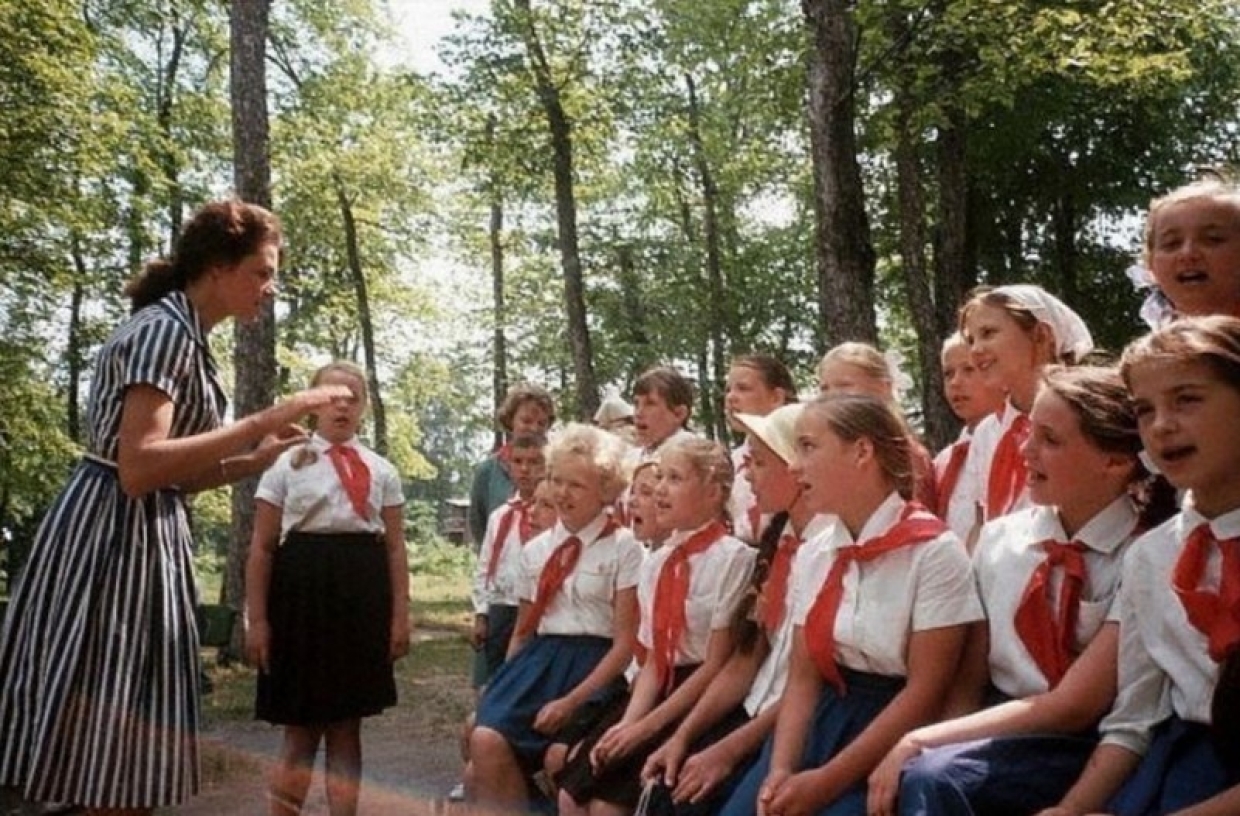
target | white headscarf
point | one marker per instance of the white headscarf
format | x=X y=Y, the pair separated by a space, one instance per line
x=1069 y=330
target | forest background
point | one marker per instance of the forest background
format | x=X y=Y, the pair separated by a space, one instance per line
x=584 y=189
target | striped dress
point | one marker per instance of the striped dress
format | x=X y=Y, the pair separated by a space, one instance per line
x=99 y=652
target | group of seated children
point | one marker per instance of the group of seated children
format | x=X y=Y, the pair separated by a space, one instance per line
x=1044 y=618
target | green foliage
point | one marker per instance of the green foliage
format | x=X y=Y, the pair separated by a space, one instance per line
x=684 y=114
x=36 y=453
x=439 y=558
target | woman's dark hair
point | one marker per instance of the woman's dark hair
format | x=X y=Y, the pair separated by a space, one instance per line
x=745 y=629
x=221 y=233
x=519 y=395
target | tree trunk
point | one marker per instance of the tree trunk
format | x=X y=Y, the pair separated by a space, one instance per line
x=495 y=232
x=953 y=276
x=843 y=251
x=254 y=358
x=561 y=132
x=166 y=102
x=73 y=353
x=1066 y=254
x=939 y=425
x=634 y=311
x=362 y=294
x=712 y=392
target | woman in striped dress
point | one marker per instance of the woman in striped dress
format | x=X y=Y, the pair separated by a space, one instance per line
x=99 y=652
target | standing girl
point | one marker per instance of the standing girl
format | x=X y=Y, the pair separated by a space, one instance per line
x=1047 y=577
x=327 y=597
x=1166 y=744
x=689 y=590
x=859 y=368
x=1014 y=332
x=881 y=610
x=757 y=384
x=99 y=651
x=972 y=399
x=575 y=628
x=697 y=767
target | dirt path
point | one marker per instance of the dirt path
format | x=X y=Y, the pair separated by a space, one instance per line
x=410 y=760
x=408 y=768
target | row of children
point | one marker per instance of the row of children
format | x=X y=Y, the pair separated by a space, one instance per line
x=825 y=623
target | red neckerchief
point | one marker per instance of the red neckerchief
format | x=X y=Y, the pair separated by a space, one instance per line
x=946 y=483
x=671 y=595
x=1215 y=614
x=518 y=512
x=915 y=526
x=1050 y=637
x=354 y=475
x=554 y=573
x=775 y=587
x=1007 y=469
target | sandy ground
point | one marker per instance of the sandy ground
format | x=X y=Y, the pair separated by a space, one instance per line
x=411 y=758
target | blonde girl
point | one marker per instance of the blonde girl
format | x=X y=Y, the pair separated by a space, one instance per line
x=644 y=523
x=575 y=626
x=695 y=770
x=1047 y=577
x=1192 y=253
x=327 y=597
x=972 y=399
x=757 y=384
x=1167 y=746
x=859 y=368
x=1013 y=332
x=689 y=590
x=882 y=604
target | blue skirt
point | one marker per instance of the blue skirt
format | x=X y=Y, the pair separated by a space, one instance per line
x=1020 y=774
x=836 y=723
x=546 y=668
x=1181 y=768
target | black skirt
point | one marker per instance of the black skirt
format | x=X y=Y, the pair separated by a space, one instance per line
x=329 y=606
x=619 y=782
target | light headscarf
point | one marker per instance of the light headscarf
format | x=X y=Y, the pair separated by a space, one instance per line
x=1069 y=330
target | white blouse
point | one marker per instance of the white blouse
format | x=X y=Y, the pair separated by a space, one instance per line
x=925 y=586
x=718 y=579
x=1164 y=661
x=768 y=684
x=584 y=604
x=1007 y=554
x=312 y=498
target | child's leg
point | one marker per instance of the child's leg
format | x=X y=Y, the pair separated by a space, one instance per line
x=344 y=766
x=290 y=779
x=569 y=807
x=494 y=778
x=554 y=758
x=600 y=808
